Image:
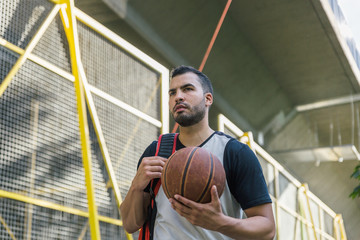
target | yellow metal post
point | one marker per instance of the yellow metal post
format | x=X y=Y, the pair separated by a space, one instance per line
x=305 y=189
x=69 y=22
x=339 y=226
x=29 y=207
x=303 y=223
x=336 y=228
x=248 y=139
x=277 y=196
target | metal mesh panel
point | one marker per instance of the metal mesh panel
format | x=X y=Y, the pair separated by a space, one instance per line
x=20 y=19
x=328 y=224
x=287 y=193
x=108 y=205
x=40 y=154
x=268 y=171
x=7 y=60
x=126 y=138
x=111 y=232
x=289 y=221
x=53 y=46
x=315 y=213
x=40 y=147
x=25 y=220
x=112 y=70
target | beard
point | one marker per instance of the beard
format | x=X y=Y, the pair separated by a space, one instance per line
x=195 y=115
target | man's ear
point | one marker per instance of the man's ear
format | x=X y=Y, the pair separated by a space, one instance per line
x=208 y=99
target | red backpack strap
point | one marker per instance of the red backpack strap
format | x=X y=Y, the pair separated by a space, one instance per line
x=165 y=147
x=158 y=145
x=173 y=148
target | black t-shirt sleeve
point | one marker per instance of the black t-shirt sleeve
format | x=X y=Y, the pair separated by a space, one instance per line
x=244 y=175
x=149 y=152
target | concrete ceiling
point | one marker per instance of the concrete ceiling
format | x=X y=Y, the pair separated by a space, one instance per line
x=270 y=59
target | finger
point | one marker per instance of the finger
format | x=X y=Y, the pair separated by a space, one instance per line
x=156 y=168
x=151 y=165
x=156 y=158
x=214 y=194
x=215 y=201
x=185 y=201
x=154 y=161
x=179 y=207
x=152 y=175
x=150 y=172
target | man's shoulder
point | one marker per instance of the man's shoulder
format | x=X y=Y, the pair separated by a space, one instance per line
x=232 y=144
x=151 y=149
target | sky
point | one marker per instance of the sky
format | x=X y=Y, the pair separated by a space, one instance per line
x=351 y=11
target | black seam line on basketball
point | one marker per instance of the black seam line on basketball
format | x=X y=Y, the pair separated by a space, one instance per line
x=186 y=169
x=165 y=185
x=209 y=179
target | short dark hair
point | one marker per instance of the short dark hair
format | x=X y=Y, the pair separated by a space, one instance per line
x=204 y=80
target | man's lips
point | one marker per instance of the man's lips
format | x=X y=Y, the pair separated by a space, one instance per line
x=180 y=107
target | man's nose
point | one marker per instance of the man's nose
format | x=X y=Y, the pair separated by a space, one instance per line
x=179 y=97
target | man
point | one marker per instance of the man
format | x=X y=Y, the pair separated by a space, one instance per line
x=190 y=97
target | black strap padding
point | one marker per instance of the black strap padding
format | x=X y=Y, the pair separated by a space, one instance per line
x=166 y=145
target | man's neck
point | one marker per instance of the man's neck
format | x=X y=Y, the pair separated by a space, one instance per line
x=194 y=135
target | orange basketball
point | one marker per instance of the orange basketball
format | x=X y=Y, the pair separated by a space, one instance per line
x=191 y=172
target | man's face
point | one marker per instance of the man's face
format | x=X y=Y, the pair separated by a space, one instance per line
x=187 y=100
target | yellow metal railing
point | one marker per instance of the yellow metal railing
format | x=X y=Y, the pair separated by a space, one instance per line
x=305 y=214
x=54 y=206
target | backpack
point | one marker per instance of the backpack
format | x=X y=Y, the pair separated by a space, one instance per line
x=165 y=147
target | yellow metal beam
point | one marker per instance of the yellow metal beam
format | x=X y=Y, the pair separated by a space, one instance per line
x=305 y=188
x=303 y=220
x=336 y=229
x=11 y=46
x=11 y=234
x=70 y=26
x=339 y=227
x=28 y=49
x=83 y=231
x=35 y=125
x=37 y=60
x=277 y=208
x=54 y=206
x=101 y=139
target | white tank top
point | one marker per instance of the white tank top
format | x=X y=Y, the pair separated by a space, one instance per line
x=169 y=225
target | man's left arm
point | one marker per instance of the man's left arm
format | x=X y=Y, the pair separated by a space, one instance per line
x=259 y=223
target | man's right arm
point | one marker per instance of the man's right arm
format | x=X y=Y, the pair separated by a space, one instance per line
x=134 y=207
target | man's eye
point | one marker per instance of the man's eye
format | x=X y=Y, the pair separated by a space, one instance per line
x=171 y=93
